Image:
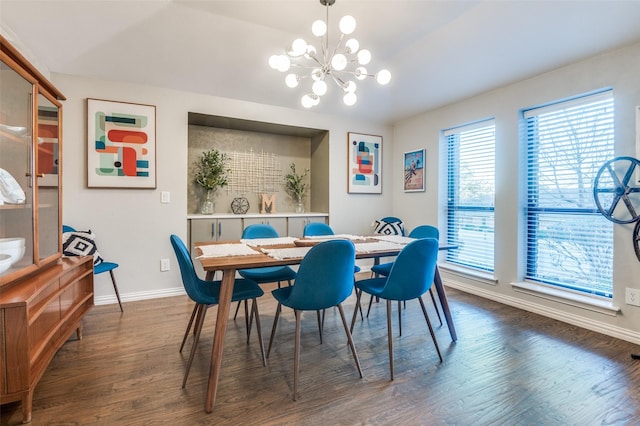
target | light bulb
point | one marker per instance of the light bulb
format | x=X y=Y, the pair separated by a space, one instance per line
x=350 y=86
x=339 y=62
x=283 y=63
x=347 y=24
x=361 y=73
x=298 y=47
x=291 y=80
x=306 y=101
x=273 y=61
x=319 y=87
x=314 y=99
x=350 y=99
x=364 y=57
x=311 y=51
x=352 y=45
x=316 y=74
x=319 y=28
x=383 y=77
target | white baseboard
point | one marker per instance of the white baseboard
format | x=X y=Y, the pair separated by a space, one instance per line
x=143 y=295
x=579 y=321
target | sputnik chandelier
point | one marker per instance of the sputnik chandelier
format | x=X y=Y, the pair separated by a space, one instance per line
x=340 y=64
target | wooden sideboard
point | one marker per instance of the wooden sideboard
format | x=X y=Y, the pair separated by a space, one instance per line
x=38 y=314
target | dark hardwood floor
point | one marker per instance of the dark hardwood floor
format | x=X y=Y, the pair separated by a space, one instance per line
x=509 y=367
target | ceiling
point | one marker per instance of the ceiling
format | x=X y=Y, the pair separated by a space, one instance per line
x=437 y=51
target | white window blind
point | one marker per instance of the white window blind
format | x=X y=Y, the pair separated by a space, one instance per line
x=569 y=243
x=470 y=194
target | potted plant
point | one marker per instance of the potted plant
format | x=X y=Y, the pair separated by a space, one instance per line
x=296 y=187
x=210 y=173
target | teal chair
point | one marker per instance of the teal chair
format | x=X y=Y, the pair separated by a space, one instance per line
x=314 y=229
x=410 y=277
x=422 y=231
x=102 y=267
x=324 y=280
x=206 y=294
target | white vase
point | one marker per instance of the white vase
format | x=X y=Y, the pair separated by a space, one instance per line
x=207 y=204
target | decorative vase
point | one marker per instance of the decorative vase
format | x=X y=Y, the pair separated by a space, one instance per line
x=207 y=205
x=300 y=207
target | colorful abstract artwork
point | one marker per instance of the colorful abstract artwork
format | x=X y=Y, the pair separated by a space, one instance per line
x=365 y=163
x=413 y=171
x=121 y=145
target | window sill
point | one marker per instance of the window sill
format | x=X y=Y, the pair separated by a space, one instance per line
x=585 y=301
x=472 y=274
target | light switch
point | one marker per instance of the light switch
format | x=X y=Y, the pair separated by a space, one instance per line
x=165 y=197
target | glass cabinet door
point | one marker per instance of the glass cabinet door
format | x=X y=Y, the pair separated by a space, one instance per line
x=16 y=180
x=48 y=176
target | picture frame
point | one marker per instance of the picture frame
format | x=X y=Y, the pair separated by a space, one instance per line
x=414 y=168
x=364 y=174
x=121 y=144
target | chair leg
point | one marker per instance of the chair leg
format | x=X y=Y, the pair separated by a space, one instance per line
x=390 y=337
x=400 y=317
x=370 y=303
x=237 y=309
x=186 y=333
x=433 y=336
x=273 y=329
x=248 y=319
x=254 y=309
x=320 y=323
x=115 y=287
x=296 y=355
x=350 y=339
x=435 y=305
x=198 y=329
x=355 y=311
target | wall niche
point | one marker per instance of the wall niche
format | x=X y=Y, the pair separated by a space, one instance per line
x=271 y=148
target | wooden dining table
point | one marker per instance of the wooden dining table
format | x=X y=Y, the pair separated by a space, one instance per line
x=229 y=264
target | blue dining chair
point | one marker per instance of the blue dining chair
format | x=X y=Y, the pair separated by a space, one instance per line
x=314 y=229
x=102 y=267
x=421 y=231
x=410 y=277
x=268 y=274
x=206 y=294
x=324 y=280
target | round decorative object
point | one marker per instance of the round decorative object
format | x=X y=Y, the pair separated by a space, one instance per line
x=240 y=205
x=615 y=190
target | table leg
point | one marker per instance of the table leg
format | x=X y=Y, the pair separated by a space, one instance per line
x=445 y=304
x=226 y=290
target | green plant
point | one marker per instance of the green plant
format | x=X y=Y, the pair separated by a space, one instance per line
x=210 y=170
x=294 y=184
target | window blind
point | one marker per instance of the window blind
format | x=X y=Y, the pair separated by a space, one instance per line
x=470 y=194
x=569 y=243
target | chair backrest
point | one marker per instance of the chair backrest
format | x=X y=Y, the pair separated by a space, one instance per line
x=425 y=231
x=317 y=228
x=413 y=271
x=67 y=228
x=325 y=276
x=260 y=230
x=192 y=284
x=391 y=219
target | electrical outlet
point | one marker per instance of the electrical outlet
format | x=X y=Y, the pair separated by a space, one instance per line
x=165 y=197
x=632 y=297
x=164 y=265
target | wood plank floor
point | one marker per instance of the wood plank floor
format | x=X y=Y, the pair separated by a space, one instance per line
x=509 y=367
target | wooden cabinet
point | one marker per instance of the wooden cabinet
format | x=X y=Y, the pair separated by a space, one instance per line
x=30 y=146
x=212 y=229
x=38 y=313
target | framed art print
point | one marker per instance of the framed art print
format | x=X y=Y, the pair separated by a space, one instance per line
x=121 y=145
x=413 y=171
x=364 y=163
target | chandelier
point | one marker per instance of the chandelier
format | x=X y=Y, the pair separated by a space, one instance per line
x=342 y=63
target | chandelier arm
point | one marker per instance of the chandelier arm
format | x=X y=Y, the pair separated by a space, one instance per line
x=338 y=81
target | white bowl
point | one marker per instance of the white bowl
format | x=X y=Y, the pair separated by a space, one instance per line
x=5 y=262
x=14 y=247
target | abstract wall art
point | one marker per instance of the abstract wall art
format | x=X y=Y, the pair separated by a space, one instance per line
x=413 y=171
x=121 y=145
x=365 y=164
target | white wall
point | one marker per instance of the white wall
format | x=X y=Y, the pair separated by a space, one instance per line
x=618 y=69
x=133 y=227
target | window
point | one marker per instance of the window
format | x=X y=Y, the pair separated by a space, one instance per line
x=569 y=243
x=470 y=194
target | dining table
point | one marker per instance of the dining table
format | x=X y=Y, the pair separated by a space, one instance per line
x=231 y=256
